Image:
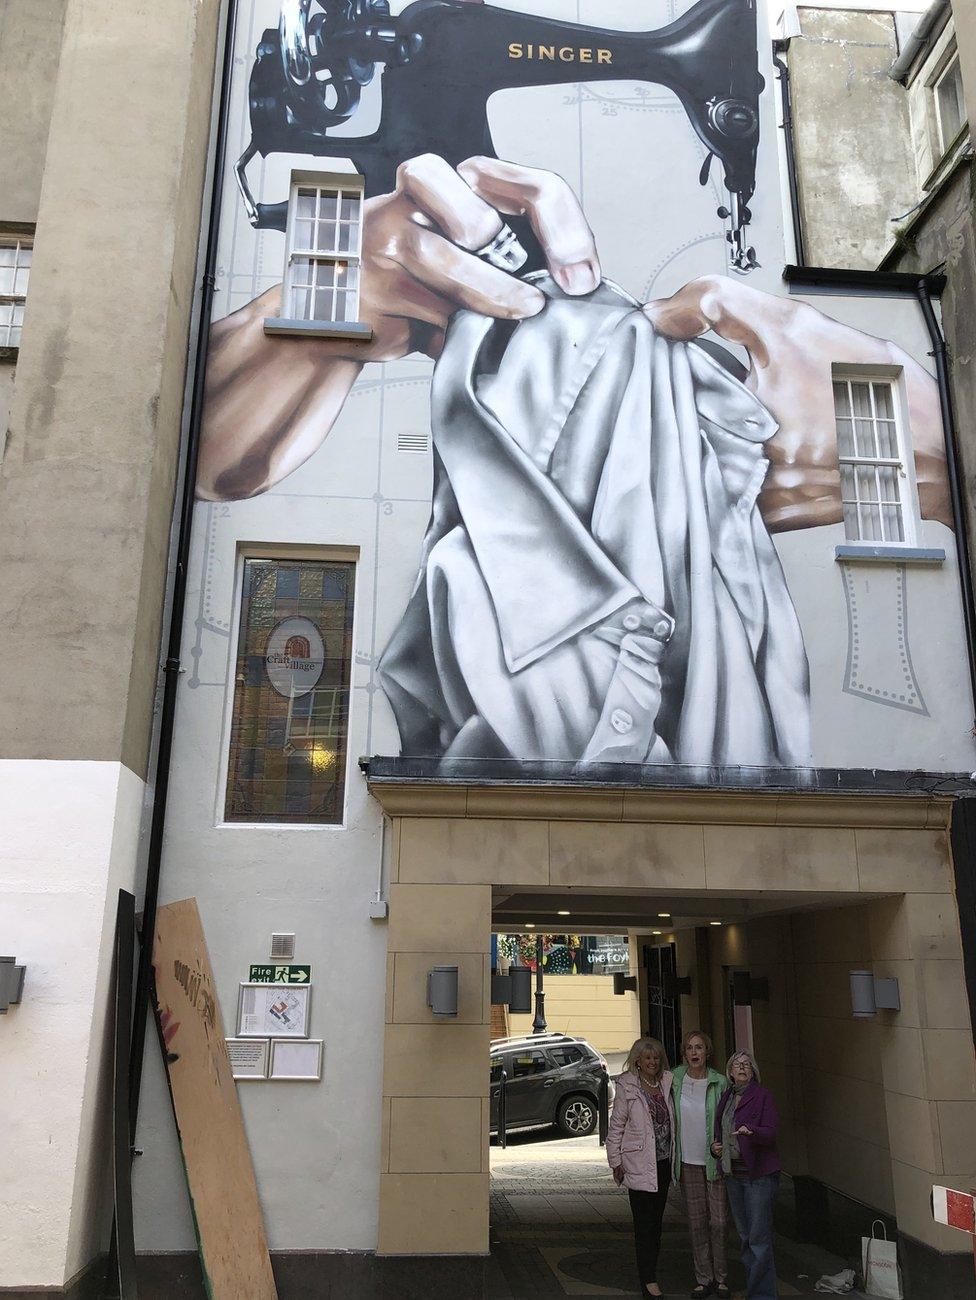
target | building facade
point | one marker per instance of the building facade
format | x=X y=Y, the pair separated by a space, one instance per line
x=560 y=547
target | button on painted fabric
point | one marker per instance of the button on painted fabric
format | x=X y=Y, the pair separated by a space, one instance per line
x=621 y=720
x=662 y=627
x=632 y=622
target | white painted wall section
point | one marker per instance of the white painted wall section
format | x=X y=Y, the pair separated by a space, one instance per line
x=69 y=843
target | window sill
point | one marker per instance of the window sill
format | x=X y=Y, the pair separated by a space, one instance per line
x=875 y=554
x=9 y=354
x=319 y=328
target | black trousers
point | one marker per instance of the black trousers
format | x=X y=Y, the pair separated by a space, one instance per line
x=648 y=1211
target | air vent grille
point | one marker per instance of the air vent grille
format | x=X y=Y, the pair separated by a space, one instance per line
x=416 y=443
x=282 y=947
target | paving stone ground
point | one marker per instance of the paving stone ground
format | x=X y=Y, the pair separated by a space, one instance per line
x=560 y=1227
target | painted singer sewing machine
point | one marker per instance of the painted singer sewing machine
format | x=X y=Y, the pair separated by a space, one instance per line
x=441 y=61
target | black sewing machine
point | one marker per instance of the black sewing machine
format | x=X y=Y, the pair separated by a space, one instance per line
x=443 y=59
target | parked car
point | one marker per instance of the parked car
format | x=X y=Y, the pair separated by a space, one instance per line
x=550 y=1079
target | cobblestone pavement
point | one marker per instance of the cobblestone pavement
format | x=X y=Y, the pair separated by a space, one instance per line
x=559 y=1227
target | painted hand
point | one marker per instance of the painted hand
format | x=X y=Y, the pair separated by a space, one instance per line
x=792 y=347
x=418 y=262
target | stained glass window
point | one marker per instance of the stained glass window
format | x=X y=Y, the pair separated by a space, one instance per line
x=291 y=692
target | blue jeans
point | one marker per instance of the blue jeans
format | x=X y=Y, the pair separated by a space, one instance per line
x=752 y=1200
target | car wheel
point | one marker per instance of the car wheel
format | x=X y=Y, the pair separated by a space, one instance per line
x=576 y=1116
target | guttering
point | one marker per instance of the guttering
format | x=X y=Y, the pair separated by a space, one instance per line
x=780 y=48
x=843 y=280
x=924 y=289
x=183 y=520
x=939 y=11
x=417 y=772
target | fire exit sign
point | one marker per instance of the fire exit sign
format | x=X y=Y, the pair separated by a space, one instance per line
x=280 y=974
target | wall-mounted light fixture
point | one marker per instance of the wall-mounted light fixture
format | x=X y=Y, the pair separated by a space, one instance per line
x=748 y=988
x=624 y=983
x=442 y=991
x=671 y=986
x=11 y=982
x=871 y=993
x=513 y=990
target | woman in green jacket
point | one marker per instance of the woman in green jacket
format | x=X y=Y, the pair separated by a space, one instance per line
x=696 y=1090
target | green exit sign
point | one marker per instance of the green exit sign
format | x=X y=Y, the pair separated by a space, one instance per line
x=280 y=974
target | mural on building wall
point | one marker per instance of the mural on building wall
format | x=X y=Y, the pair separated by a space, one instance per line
x=598 y=581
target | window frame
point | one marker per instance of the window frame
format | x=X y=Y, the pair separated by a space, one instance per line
x=347 y=184
x=281 y=551
x=580 y=1057
x=20 y=239
x=903 y=464
x=951 y=63
x=534 y=1053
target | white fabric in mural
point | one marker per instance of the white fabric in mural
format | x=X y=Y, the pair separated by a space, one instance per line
x=597 y=583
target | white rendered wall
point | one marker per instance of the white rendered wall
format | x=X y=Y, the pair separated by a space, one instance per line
x=316 y=1145
x=69 y=842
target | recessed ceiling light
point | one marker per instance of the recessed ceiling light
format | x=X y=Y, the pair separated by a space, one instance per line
x=657 y=932
x=715 y=923
x=562 y=914
x=665 y=916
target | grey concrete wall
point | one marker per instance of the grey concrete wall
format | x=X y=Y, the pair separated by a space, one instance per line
x=946 y=235
x=853 y=148
x=87 y=475
x=30 y=46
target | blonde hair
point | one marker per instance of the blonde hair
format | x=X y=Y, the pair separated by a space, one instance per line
x=752 y=1061
x=646 y=1045
x=697 y=1033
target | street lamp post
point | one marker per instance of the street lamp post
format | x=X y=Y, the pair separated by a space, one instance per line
x=539 y=1023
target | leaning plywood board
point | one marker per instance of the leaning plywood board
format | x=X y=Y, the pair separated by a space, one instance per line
x=233 y=1247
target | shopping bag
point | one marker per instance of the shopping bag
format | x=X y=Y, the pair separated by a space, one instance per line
x=879 y=1260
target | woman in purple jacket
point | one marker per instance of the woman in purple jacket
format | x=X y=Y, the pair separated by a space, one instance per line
x=745 y=1141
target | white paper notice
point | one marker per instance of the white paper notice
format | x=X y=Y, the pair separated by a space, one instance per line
x=248 y=1057
x=273 y=1011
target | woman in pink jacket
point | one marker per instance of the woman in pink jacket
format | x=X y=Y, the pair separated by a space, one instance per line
x=640 y=1149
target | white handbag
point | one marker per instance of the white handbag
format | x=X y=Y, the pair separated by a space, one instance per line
x=879 y=1259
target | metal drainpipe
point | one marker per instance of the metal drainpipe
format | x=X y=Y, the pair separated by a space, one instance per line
x=952 y=471
x=171 y=666
x=779 y=50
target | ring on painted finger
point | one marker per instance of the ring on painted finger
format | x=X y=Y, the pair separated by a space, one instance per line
x=504 y=251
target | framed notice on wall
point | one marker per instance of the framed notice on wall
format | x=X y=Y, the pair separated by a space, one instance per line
x=273 y=1011
x=248 y=1057
x=296 y=1059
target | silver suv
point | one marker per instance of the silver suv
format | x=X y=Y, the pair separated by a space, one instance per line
x=550 y=1079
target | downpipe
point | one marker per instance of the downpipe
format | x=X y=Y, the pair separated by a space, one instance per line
x=779 y=52
x=183 y=520
x=941 y=359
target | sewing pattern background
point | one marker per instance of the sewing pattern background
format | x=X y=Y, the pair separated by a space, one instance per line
x=632 y=157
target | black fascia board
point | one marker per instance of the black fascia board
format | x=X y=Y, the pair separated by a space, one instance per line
x=631 y=776
x=840 y=278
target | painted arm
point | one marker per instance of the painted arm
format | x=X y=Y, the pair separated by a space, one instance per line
x=270 y=402
x=792 y=347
